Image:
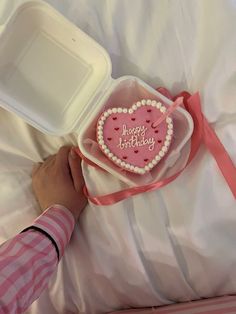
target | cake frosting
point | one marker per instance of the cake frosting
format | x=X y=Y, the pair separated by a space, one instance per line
x=130 y=138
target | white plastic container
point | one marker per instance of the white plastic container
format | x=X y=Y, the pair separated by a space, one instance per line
x=58 y=79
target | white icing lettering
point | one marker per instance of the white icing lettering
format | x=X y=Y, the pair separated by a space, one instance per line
x=136 y=141
x=138 y=130
x=135 y=137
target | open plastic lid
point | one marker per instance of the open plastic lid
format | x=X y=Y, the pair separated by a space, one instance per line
x=50 y=71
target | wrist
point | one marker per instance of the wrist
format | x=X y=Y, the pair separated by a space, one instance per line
x=64 y=208
x=74 y=213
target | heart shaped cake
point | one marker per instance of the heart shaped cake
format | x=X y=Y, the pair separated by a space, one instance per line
x=130 y=138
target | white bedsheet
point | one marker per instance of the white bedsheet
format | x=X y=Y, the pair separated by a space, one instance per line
x=174 y=244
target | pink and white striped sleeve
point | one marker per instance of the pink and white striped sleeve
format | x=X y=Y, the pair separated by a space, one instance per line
x=28 y=260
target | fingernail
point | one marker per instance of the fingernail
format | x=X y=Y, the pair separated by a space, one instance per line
x=73 y=154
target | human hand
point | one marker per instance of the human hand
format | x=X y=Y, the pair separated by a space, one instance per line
x=59 y=180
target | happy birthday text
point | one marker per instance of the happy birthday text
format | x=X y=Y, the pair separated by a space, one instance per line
x=138 y=138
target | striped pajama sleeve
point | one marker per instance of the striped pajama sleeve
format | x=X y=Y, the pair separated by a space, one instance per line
x=28 y=260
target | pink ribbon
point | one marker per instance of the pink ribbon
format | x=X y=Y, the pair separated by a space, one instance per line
x=218 y=151
x=202 y=133
x=177 y=103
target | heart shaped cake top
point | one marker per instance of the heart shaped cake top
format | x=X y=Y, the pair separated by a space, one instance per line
x=131 y=138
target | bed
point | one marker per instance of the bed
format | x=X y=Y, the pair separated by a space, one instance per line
x=174 y=244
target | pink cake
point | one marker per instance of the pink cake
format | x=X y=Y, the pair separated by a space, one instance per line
x=130 y=138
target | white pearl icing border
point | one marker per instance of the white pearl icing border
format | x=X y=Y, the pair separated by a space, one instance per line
x=134 y=107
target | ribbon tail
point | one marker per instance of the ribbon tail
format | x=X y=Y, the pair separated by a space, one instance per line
x=220 y=155
x=193 y=106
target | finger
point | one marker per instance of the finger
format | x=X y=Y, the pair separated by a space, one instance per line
x=76 y=171
x=49 y=162
x=36 y=168
x=50 y=157
x=62 y=158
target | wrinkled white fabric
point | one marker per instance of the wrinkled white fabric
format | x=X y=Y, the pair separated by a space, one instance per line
x=174 y=244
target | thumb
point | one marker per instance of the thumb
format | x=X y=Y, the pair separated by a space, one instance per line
x=36 y=168
x=76 y=171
